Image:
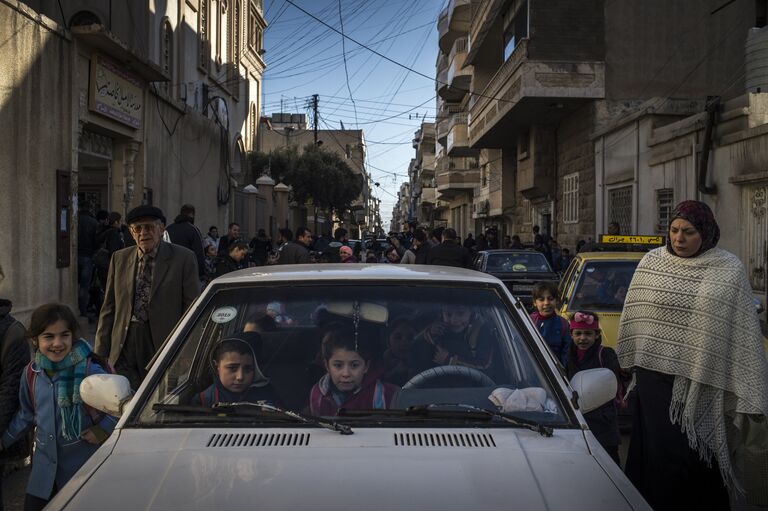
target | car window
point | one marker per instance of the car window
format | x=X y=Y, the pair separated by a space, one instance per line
x=524 y=262
x=421 y=344
x=568 y=276
x=602 y=285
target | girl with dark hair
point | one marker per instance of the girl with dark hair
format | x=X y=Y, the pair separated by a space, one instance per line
x=587 y=352
x=349 y=382
x=67 y=431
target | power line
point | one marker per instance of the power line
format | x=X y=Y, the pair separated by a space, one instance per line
x=393 y=61
x=344 y=54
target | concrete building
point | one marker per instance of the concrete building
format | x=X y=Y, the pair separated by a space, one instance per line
x=422 y=176
x=284 y=130
x=719 y=158
x=456 y=163
x=116 y=104
x=566 y=71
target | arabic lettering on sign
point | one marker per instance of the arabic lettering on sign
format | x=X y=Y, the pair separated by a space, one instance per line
x=115 y=94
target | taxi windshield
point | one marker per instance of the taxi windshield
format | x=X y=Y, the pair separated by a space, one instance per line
x=532 y=262
x=602 y=285
x=323 y=350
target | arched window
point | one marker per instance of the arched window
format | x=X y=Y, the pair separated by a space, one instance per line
x=238 y=161
x=166 y=53
x=83 y=19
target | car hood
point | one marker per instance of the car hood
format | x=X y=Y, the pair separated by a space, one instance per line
x=373 y=469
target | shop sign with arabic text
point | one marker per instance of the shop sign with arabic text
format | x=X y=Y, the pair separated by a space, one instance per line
x=114 y=93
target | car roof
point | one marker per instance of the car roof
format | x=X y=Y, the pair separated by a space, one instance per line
x=353 y=272
x=510 y=251
x=627 y=256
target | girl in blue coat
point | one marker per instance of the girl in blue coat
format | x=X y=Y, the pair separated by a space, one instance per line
x=67 y=432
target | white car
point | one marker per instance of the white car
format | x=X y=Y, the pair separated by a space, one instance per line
x=465 y=410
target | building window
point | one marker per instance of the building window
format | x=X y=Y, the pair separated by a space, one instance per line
x=166 y=53
x=523 y=145
x=515 y=26
x=571 y=198
x=234 y=48
x=527 y=212
x=254 y=30
x=665 y=202
x=620 y=207
x=203 y=34
x=484 y=175
x=254 y=125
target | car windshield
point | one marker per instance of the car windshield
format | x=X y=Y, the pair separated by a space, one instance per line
x=331 y=349
x=533 y=262
x=602 y=285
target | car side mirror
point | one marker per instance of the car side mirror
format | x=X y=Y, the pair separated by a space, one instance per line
x=595 y=387
x=108 y=393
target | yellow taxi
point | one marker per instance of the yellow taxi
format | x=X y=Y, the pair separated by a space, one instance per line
x=598 y=281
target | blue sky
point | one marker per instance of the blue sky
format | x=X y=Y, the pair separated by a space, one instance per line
x=387 y=101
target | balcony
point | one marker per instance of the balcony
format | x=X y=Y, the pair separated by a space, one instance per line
x=524 y=90
x=457 y=141
x=428 y=195
x=457 y=175
x=459 y=77
x=456 y=23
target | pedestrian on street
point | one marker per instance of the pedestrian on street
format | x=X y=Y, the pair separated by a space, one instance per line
x=184 y=232
x=235 y=260
x=233 y=235
x=14 y=355
x=346 y=255
x=66 y=433
x=261 y=246
x=148 y=289
x=690 y=331
x=449 y=252
x=212 y=238
x=587 y=352
x=294 y=252
x=422 y=246
x=470 y=242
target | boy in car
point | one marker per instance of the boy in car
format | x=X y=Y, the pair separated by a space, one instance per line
x=457 y=338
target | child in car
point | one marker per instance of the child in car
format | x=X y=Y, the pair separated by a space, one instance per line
x=348 y=383
x=50 y=402
x=400 y=337
x=553 y=327
x=587 y=352
x=236 y=374
x=457 y=338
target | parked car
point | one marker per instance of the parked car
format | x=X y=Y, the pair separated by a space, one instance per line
x=519 y=270
x=598 y=282
x=505 y=432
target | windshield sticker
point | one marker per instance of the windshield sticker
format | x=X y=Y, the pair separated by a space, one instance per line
x=223 y=314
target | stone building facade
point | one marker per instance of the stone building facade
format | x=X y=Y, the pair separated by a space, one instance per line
x=116 y=104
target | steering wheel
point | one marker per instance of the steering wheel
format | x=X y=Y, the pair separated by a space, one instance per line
x=437 y=377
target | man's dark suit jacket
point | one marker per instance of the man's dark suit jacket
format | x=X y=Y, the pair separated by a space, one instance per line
x=175 y=286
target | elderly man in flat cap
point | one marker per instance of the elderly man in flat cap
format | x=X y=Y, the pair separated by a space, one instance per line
x=149 y=287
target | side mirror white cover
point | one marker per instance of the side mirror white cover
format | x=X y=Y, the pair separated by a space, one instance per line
x=108 y=393
x=595 y=387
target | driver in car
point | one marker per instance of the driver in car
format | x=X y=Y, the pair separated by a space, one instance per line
x=459 y=337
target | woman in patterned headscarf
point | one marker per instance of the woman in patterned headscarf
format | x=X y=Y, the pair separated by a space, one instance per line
x=690 y=330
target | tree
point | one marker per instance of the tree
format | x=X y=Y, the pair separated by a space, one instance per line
x=318 y=175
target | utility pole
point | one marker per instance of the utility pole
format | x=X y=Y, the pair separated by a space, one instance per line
x=315 y=100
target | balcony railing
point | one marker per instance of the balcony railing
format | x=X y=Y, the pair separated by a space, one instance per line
x=478 y=102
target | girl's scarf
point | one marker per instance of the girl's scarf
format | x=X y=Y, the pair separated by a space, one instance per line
x=694 y=318
x=71 y=372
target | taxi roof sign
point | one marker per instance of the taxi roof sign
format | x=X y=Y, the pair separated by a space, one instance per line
x=631 y=239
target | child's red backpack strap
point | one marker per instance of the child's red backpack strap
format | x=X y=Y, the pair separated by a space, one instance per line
x=30 y=376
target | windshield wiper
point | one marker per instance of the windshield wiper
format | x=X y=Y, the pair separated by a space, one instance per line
x=470 y=412
x=247 y=408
